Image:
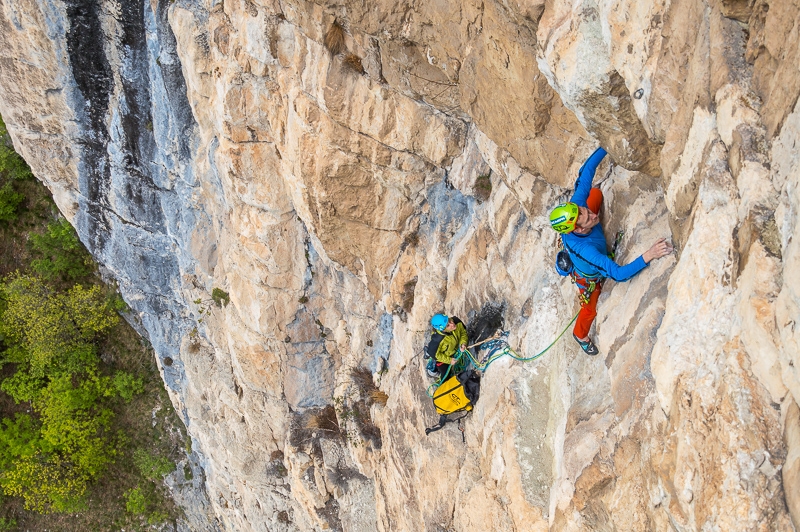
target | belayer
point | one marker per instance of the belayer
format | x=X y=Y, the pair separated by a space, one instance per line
x=456 y=388
x=449 y=334
x=582 y=236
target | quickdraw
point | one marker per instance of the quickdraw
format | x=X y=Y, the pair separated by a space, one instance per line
x=585 y=292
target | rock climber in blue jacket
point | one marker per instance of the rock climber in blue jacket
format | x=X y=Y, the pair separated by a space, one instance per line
x=579 y=224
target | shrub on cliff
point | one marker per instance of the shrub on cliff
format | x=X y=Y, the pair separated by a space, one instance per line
x=61 y=253
x=9 y=202
x=12 y=168
x=11 y=164
x=50 y=457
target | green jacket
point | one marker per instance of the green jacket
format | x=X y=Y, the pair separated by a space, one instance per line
x=450 y=343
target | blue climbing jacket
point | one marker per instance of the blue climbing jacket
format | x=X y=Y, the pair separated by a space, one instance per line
x=589 y=253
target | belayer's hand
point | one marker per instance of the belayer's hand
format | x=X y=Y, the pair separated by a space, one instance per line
x=661 y=248
x=452 y=361
x=463 y=347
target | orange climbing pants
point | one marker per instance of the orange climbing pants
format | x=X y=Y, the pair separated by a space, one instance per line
x=588 y=310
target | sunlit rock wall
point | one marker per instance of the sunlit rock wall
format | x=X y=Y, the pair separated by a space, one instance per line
x=344 y=170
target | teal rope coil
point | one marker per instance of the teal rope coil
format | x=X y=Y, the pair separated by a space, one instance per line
x=459 y=366
x=496 y=352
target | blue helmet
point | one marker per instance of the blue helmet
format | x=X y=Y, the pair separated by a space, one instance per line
x=439 y=321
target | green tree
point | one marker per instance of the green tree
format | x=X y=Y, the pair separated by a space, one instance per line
x=9 y=202
x=49 y=460
x=48 y=327
x=61 y=253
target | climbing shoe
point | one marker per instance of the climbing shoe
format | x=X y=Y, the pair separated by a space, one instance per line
x=588 y=347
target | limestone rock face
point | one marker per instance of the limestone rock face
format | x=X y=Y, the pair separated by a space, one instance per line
x=342 y=171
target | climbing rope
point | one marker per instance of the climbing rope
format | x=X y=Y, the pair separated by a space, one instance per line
x=454 y=369
x=496 y=347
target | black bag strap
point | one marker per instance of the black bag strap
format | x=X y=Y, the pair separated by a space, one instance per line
x=443 y=420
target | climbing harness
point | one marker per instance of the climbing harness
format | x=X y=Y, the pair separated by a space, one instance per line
x=586 y=285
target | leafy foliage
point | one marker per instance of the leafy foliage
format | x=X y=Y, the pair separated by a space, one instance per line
x=151 y=466
x=220 y=297
x=12 y=168
x=50 y=460
x=47 y=327
x=62 y=254
x=135 y=501
x=141 y=502
x=11 y=163
x=9 y=202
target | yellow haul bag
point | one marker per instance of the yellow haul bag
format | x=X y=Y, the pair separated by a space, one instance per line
x=450 y=397
x=456 y=394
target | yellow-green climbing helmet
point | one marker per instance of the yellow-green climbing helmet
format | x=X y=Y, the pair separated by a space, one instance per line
x=563 y=217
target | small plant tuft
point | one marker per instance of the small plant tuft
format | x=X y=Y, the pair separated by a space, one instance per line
x=411 y=239
x=151 y=466
x=408 y=294
x=135 y=501
x=378 y=397
x=220 y=297
x=334 y=39
x=483 y=187
x=324 y=420
x=353 y=62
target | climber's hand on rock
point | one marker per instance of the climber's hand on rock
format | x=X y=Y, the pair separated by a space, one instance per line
x=661 y=248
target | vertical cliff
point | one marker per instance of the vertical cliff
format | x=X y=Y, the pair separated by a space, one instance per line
x=287 y=190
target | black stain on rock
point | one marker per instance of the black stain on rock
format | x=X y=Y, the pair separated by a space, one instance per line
x=90 y=67
x=134 y=138
x=93 y=77
x=485 y=322
x=174 y=83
